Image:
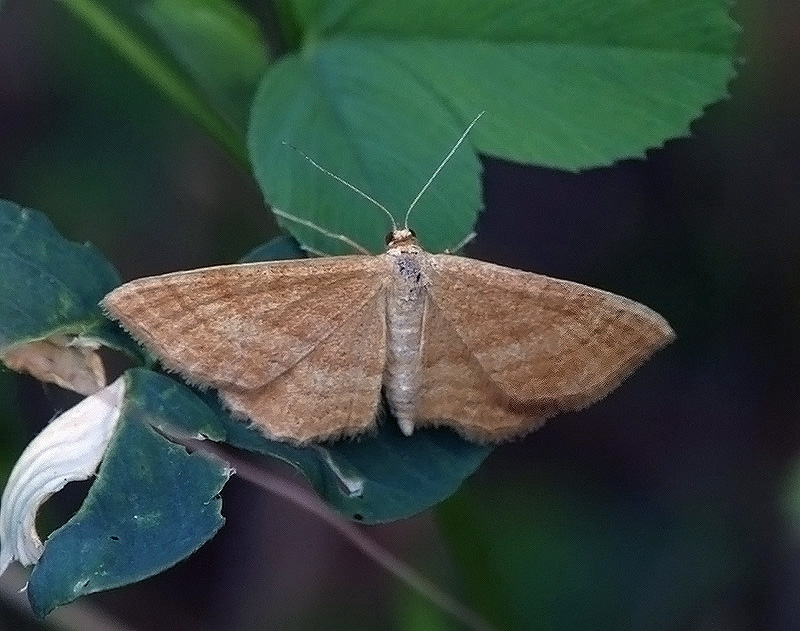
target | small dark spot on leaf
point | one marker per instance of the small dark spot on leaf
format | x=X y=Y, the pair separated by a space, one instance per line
x=114 y=538
x=358 y=517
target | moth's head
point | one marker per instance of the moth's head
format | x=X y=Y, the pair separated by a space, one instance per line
x=401 y=237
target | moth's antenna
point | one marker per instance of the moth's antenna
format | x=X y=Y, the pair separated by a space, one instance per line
x=347 y=184
x=439 y=168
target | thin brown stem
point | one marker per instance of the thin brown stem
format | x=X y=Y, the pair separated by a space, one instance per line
x=302 y=497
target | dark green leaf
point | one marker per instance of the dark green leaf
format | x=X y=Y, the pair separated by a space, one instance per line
x=375 y=478
x=49 y=285
x=151 y=505
x=218 y=45
x=169 y=406
x=402 y=475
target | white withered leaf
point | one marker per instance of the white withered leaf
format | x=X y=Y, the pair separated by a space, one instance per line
x=70 y=448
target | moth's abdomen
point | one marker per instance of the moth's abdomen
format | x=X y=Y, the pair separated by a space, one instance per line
x=404 y=313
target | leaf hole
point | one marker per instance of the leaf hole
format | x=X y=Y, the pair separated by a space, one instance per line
x=358 y=517
x=60 y=506
x=114 y=538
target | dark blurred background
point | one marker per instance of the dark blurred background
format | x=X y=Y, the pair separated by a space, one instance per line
x=672 y=504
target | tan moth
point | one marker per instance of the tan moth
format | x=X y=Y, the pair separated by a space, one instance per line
x=304 y=348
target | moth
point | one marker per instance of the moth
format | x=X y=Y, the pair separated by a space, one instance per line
x=305 y=348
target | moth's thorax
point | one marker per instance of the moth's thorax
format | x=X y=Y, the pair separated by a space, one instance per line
x=402 y=239
x=405 y=308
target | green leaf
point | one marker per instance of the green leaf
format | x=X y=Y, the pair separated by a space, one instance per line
x=151 y=505
x=51 y=286
x=218 y=44
x=569 y=84
x=380 y=90
x=123 y=32
x=341 y=106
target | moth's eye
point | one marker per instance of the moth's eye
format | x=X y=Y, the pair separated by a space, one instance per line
x=389 y=238
x=413 y=234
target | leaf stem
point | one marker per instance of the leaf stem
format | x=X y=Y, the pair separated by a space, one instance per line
x=287 y=32
x=158 y=72
x=302 y=497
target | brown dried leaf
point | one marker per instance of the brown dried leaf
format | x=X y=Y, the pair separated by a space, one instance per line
x=65 y=360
